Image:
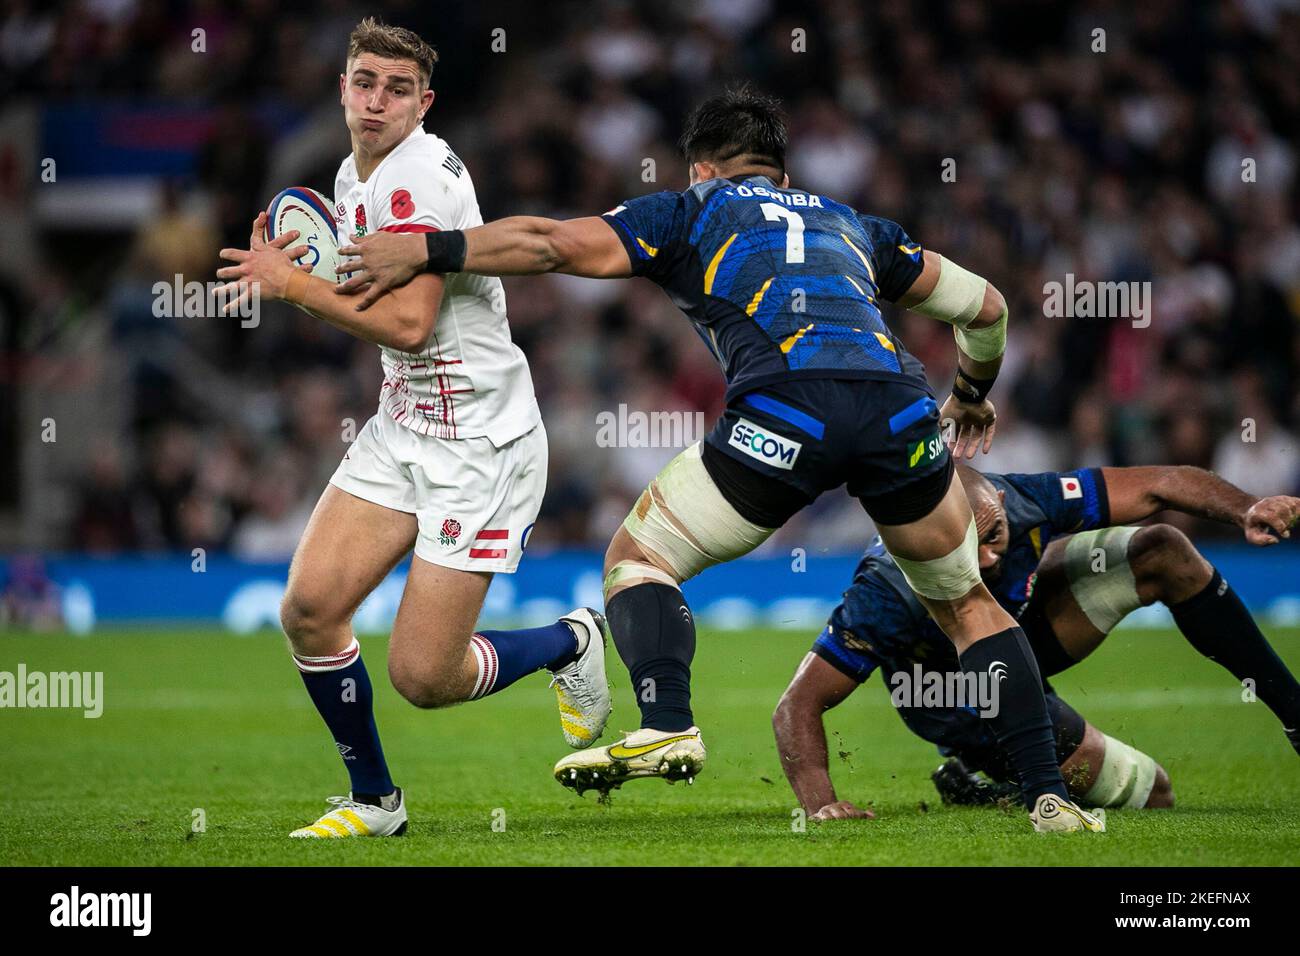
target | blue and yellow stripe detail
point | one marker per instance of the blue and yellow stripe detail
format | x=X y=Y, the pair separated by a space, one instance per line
x=792 y=340
x=755 y=302
x=711 y=272
x=861 y=255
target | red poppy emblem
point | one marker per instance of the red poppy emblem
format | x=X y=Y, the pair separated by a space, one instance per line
x=403 y=205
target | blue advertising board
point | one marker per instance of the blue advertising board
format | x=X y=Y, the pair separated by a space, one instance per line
x=790 y=592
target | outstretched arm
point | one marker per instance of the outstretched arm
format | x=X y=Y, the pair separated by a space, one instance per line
x=527 y=245
x=519 y=245
x=801 y=738
x=1138 y=493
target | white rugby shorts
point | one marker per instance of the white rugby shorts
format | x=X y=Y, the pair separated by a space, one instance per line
x=475 y=503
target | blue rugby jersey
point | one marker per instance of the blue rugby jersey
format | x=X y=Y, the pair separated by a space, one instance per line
x=780 y=283
x=880 y=623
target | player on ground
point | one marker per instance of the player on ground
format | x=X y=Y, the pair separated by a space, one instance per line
x=784 y=286
x=453 y=464
x=1055 y=551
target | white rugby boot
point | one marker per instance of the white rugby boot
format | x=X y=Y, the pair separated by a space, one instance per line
x=1051 y=814
x=581 y=688
x=667 y=754
x=352 y=819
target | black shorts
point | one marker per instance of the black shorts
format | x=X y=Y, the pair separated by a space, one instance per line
x=775 y=449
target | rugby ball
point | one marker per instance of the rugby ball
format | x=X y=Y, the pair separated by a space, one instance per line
x=309 y=212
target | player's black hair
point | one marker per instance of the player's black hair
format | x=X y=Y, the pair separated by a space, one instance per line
x=739 y=123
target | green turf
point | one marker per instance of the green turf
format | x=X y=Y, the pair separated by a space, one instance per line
x=204 y=720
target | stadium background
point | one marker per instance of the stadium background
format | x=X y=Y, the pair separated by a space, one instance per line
x=180 y=433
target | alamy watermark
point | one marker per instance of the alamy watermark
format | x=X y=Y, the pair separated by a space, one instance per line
x=76 y=690
x=198 y=300
x=948 y=689
x=637 y=429
x=1084 y=299
x=75 y=908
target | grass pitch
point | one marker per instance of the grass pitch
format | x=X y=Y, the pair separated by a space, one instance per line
x=202 y=721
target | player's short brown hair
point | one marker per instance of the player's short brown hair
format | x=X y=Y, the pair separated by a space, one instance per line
x=395 y=43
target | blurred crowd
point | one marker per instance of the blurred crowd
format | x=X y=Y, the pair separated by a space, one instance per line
x=1149 y=143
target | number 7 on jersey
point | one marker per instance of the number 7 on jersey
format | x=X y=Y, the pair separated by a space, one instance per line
x=793 y=229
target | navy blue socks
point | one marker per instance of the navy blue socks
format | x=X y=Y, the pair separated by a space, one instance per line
x=1217 y=624
x=505 y=656
x=340 y=688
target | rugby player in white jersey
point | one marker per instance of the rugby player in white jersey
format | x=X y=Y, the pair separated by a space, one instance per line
x=453 y=464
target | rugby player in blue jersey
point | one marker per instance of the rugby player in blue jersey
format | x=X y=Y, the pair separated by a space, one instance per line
x=1058 y=551
x=784 y=286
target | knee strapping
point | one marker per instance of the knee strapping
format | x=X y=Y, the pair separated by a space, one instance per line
x=949 y=577
x=683 y=518
x=630 y=573
x=1126 y=778
x=1096 y=563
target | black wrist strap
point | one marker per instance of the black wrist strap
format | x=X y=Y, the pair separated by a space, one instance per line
x=446 y=251
x=971 y=390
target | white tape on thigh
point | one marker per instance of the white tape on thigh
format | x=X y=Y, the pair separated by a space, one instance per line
x=957 y=296
x=1096 y=562
x=1126 y=778
x=625 y=574
x=949 y=577
x=683 y=518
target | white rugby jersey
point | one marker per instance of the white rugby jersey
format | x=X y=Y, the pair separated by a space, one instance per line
x=470 y=379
